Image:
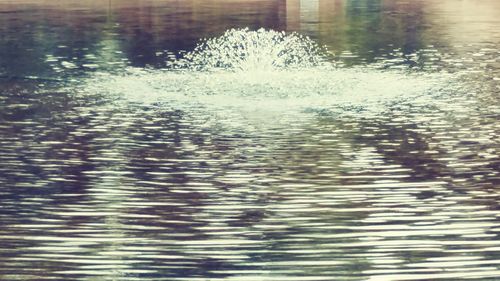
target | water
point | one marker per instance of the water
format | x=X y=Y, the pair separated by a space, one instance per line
x=129 y=154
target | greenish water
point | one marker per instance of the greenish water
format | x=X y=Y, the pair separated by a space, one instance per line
x=367 y=150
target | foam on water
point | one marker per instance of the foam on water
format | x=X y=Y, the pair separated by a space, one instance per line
x=267 y=70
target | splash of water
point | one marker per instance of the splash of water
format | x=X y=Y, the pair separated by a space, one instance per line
x=246 y=50
x=266 y=69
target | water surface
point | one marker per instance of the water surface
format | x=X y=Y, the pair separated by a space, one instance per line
x=381 y=165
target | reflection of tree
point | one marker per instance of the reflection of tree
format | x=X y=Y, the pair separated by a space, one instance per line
x=35 y=37
x=179 y=25
x=371 y=28
x=38 y=37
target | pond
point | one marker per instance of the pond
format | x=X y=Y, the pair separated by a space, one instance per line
x=250 y=140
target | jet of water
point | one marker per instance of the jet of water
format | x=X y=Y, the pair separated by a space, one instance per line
x=246 y=50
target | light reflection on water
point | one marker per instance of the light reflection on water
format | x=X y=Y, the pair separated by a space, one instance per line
x=402 y=184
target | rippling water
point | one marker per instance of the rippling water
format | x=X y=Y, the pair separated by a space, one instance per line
x=374 y=159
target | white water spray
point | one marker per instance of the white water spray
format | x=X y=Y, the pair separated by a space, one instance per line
x=269 y=70
x=245 y=50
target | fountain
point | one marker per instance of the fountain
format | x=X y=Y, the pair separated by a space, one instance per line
x=266 y=69
x=246 y=50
